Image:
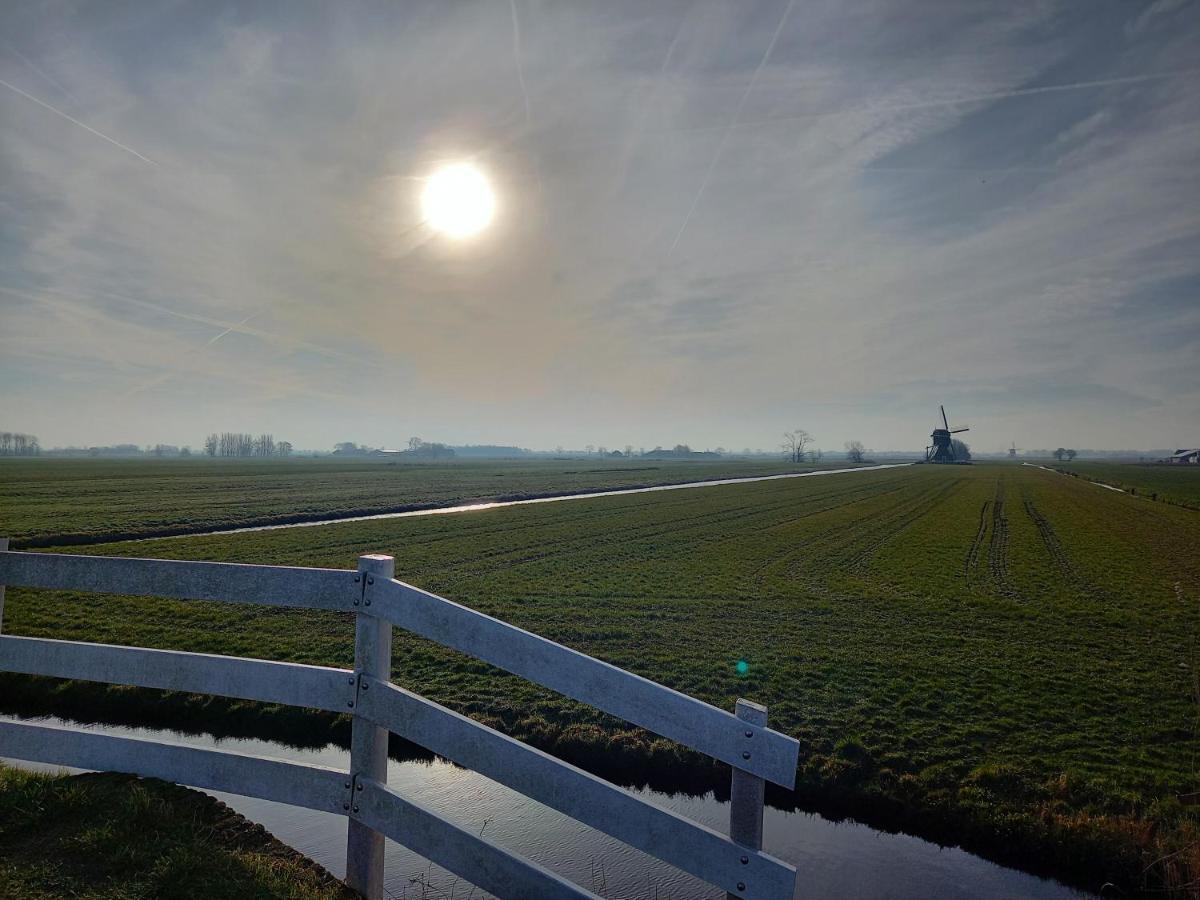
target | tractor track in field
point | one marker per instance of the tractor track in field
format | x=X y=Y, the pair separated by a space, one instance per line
x=790 y=554
x=844 y=535
x=1050 y=540
x=857 y=561
x=998 y=545
x=677 y=529
x=972 y=561
x=846 y=546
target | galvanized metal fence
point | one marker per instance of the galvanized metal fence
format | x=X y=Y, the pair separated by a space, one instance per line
x=757 y=754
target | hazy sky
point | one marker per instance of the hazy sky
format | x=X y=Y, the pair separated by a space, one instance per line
x=716 y=221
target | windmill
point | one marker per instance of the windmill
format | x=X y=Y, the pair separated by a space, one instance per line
x=942 y=448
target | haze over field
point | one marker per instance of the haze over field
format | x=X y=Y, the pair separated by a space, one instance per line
x=712 y=222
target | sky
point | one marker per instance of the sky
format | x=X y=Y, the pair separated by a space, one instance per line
x=715 y=222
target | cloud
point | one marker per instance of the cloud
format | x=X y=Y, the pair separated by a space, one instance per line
x=712 y=220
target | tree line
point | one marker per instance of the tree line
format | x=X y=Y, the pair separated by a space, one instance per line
x=240 y=443
x=13 y=443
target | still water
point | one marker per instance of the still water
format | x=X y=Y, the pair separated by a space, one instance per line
x=834 y=859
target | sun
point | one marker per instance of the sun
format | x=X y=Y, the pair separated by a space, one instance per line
x=458 y=201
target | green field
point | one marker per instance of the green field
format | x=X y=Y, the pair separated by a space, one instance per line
x=995 y=655
x=65 y=501
x=116 y=837
x=1171 y=484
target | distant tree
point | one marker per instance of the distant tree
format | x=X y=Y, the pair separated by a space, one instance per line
x=961 y=450
x=414 y=443
x=185 y=450
x=794 y=443
x=210 y=444
x=590 y=449
x=1060 y=453
x=284 y=448
x=682 y=448
x=854 y=451
x=1071 y=454
x=629 y=449
x=13 y=443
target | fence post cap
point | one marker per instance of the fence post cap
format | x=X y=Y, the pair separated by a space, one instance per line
x=750 y=711
x=377 y=564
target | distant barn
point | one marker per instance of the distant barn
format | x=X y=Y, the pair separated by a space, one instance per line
x=1185 y=457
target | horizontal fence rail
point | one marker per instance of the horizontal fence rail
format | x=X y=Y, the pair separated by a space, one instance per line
x=293 y=684
x=297 y=784
x=660 y=709
x=735 y=864
x=687 y=845
x=184 y=580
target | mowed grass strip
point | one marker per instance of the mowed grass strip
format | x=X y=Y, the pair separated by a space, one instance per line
x=993 y=655
x=73 y=500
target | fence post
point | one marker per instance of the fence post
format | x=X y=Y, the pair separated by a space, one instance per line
x=368 y=742
x=3 y=546
x=746 y=791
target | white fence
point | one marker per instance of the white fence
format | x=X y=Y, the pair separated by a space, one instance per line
x=735 y=864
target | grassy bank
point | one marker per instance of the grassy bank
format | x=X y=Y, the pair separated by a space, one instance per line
x=44 y=502
x=992 y=655
x=120 y=837
x=1178 y=485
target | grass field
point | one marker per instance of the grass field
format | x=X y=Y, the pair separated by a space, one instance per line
x=995 y=655
x=115 y=837
x=65 y=501
x=1171 y=484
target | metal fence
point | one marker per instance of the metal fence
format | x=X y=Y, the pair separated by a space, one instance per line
x=757 y=754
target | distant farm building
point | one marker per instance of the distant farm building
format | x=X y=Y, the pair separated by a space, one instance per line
x=1185 y=457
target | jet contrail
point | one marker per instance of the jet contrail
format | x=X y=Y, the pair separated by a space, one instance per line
x=25 y=59
x=167 y=376
x=729 y=128
x=234 y=327
x=59 y=112
x=517 y=58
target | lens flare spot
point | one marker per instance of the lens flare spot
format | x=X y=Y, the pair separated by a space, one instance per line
x=742 y=667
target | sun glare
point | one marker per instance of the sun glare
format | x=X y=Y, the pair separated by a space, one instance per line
x=458 y=201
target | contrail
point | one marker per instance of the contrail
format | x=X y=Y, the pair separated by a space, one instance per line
x=729 y=128
x=234 y=327
x=25 y=59
x=512 y=4
x=59 y=112
x=167 y=376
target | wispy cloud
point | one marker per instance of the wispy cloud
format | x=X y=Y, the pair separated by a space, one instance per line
x=713 y=220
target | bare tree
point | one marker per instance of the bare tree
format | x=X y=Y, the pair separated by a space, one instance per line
x=854 y=451
x=13 y=443
x=210 y=444
x=415 y=444
x=794 y=443
x=284 y=448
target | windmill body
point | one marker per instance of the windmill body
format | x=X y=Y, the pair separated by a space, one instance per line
x=941 y=449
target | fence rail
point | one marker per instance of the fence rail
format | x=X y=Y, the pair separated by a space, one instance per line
x=756 y=753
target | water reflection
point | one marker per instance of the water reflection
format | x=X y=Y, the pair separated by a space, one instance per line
x=835 y=859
